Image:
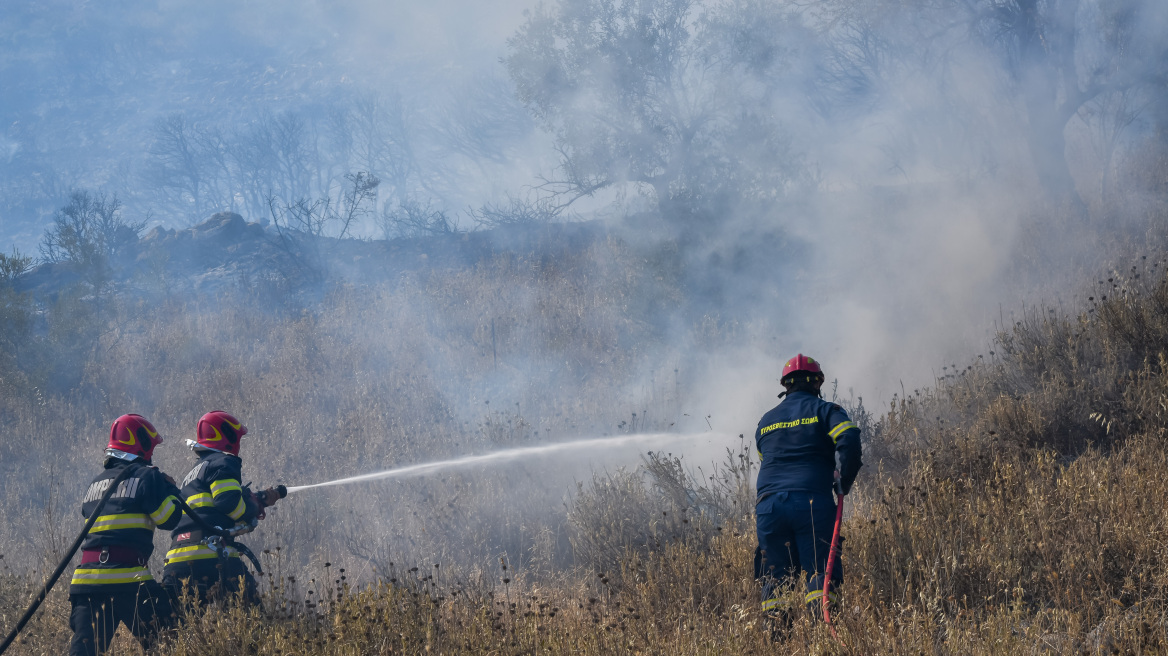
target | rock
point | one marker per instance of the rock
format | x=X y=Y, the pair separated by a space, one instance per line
x=157 y=233
x=222 y=227
x=48 y=278
x=225 y=250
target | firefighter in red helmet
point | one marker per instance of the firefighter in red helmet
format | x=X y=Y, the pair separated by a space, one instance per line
x=214 y=492
x=802 y=443
x=113 y=585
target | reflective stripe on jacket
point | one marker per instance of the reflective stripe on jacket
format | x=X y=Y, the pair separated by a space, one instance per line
x=212 y=489
x=798 y=442
x=143 y=501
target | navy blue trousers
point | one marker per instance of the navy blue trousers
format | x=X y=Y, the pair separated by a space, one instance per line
x=211 y=579
x=144 y=609
x=794 y=535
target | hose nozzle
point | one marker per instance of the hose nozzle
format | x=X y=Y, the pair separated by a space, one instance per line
x=270 y=496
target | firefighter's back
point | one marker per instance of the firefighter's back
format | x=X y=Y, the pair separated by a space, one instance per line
x=113 y=584
x=795 y=444
x=116 y=551
x=213 y=491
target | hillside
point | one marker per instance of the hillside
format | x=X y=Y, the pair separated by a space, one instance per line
x=569 y=245
x=225 y=251
x=1010 y=508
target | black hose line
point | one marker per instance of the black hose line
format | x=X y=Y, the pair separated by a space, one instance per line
x=203 y=526
x=40 y=597
x=215 y=530
x=36 y=602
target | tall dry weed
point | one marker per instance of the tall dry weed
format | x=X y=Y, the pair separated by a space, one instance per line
x=1013 y=508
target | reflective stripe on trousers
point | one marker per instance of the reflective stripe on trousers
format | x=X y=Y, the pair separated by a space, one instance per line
x=794 y=534
x=111 y=575
x=195 y=552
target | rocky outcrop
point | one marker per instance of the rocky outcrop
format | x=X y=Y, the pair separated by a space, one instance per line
x=227 y=250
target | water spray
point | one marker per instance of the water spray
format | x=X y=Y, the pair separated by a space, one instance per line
x=505 y=455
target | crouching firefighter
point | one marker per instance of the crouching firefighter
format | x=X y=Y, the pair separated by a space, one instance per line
x=113 y=585
x=803 y=444
x=210 y=565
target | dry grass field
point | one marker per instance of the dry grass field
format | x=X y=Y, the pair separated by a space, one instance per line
x=1013 y=508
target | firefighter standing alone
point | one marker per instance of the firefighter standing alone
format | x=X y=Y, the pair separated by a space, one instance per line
x=113 y=584
x=213 y=491
x=799 y=442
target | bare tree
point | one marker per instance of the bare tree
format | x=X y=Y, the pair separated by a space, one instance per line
x=667 y=95
x=326 y=216
x=195 y=169
x=1059 y=58
x=357 y=201
x=374 y=135
x=482 y=121
x=300 y=224
x=516 y=211
x=89 y=229
x=177 y=167
x=410 y=219
x=90 y=233
x=14 y=265
x=275 y=155
x=1109 y=115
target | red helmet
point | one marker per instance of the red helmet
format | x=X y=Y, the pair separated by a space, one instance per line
x=801 y=364
x=219 y=431
x=135 y=435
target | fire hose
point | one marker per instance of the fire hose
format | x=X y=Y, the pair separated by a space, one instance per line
x=832 y=554
x=36 y=602
x=219 y=541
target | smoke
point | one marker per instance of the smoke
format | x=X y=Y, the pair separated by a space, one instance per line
x=934 y=208
x=899 y=171
x=875 y=185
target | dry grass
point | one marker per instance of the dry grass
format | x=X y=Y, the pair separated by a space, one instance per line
x=432 y=366
x=1014 y=508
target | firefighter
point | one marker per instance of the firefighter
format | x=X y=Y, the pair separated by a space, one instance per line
x=806 y=446
x=113 y=585
x=213 y=491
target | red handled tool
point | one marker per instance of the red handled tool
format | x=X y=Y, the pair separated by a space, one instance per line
x=831 y=556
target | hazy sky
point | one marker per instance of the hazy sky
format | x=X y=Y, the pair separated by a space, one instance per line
x=85 y=82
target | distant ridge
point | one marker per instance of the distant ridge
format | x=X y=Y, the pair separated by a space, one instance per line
x=226 y=250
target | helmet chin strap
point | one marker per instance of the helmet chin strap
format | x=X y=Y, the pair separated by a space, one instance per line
x=802 y=386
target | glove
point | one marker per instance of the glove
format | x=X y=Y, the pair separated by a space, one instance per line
x=838 y=486
x=258 y=500
x=267 y=498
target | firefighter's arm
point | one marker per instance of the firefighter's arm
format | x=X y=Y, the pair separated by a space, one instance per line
x=162 y=499
x=846 y=436
x=228 y=497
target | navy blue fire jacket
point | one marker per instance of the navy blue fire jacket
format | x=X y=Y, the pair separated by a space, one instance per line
x=145 y=500
x=213 y=492
x=798 y=441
